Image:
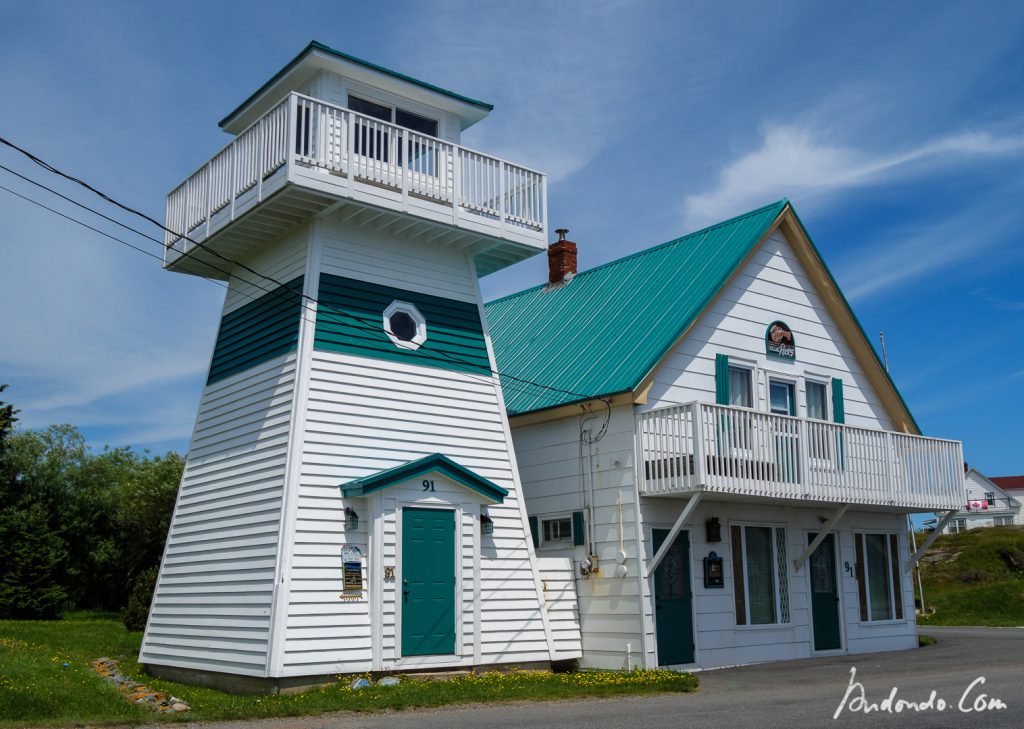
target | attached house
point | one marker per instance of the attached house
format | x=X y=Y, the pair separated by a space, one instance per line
x=986 y=505
x=705 y=430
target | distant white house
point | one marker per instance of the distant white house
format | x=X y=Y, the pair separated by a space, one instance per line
x=986 y=505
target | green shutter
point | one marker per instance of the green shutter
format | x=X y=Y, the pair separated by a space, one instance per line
x=838 y=408
x=722 y=379
x=839 y=416
x=535 y=531
x=578 y=537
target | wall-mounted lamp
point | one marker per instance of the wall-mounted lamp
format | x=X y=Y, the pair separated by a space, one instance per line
x=713 y=530
x=486 y=524
x=351 y=519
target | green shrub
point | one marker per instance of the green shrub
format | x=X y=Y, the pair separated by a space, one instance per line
x=136 y=613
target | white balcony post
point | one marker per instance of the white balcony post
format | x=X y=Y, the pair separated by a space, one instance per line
x=890 y=462
x=259 y=158
x=699 y=462
x=544 y=206
x=501 y=194
x=456 y=183
x=234 y=176
x=209 y=194
x=802 y=446
x=291 y=136
x=403 y=156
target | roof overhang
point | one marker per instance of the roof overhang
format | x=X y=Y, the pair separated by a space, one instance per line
x=436 y=463
x=317 y=56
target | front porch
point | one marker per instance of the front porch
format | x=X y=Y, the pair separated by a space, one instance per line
x=737 y=452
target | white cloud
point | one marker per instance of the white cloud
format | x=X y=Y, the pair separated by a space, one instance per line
x=798 y=161
x=908 y=253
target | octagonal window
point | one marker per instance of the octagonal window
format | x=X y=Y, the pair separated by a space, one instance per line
x=405 y=325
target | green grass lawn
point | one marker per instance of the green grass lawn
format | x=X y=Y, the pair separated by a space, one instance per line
x=37 y=688
x=968 y=578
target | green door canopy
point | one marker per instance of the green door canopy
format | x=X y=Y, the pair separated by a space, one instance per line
x=435 y=463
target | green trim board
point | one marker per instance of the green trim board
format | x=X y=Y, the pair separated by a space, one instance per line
x=436 y=463
x=350 y=319
x=317 y=46
x=258 y=331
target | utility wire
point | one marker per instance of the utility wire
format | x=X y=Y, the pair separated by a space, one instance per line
x=253 y=297
x=54 y=170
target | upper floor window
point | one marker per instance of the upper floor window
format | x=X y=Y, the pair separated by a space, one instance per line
x=401 y=117
x=782 y=397
x=817 y=400
x=741 y=391
x=990 y=498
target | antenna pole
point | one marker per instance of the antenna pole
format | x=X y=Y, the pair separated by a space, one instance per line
x=885 y=357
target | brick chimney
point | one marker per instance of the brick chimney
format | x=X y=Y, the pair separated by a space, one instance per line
x=561 y=259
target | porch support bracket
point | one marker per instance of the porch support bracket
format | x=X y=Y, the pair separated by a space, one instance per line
x=674 y=532
x=799 y=561
x=928 y=542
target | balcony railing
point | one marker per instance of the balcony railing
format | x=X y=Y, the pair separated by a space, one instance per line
x=700 y=446
x=305 y=134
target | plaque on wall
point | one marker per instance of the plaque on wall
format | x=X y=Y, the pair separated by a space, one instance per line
x=351 y=570
x=778 y=340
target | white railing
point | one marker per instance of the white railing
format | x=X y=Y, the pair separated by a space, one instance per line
x=357 y=147
x=740 y=451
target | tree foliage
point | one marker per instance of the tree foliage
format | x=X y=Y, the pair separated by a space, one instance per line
x=77 y=528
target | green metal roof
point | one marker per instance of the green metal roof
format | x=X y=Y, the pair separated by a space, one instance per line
x=317 y=46
x=602 y=333
x=414 y=469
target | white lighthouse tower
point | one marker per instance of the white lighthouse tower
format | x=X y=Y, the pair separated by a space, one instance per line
x=350 y=501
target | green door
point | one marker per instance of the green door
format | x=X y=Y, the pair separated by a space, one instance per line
x=673 y=601
x=825 y=595
x=428 y=582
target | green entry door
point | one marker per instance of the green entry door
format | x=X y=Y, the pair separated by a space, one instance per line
x=825 y=595
x=428 y=582
x=673 y=601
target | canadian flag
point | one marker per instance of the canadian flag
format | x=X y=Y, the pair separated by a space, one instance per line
x=977 y=505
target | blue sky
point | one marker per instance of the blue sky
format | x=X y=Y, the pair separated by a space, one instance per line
x=897 y=129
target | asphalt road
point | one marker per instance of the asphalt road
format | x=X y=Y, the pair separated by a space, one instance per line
x=786 y=695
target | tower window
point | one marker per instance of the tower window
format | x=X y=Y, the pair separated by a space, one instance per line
x=404 y=325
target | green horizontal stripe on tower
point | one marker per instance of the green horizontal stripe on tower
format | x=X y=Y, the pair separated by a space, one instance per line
x=257 y=331
x=350 y=319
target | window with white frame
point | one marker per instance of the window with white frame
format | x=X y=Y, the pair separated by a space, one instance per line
x=741 y=390
x=1003 y=520
x=879 y=577
x=990 y=498
x=760 y=577
x=556 y=531
x=816 y=396
x=957 y=525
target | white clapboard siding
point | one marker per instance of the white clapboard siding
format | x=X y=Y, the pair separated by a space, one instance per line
x=212 y=608
x=773 y=285
x=421 y=414
x=559 y=584
x=275 y=264
x=364 y=415
x=378 y=258
x=548 y=456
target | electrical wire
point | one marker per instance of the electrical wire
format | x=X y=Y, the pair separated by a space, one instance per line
x=54 y=170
